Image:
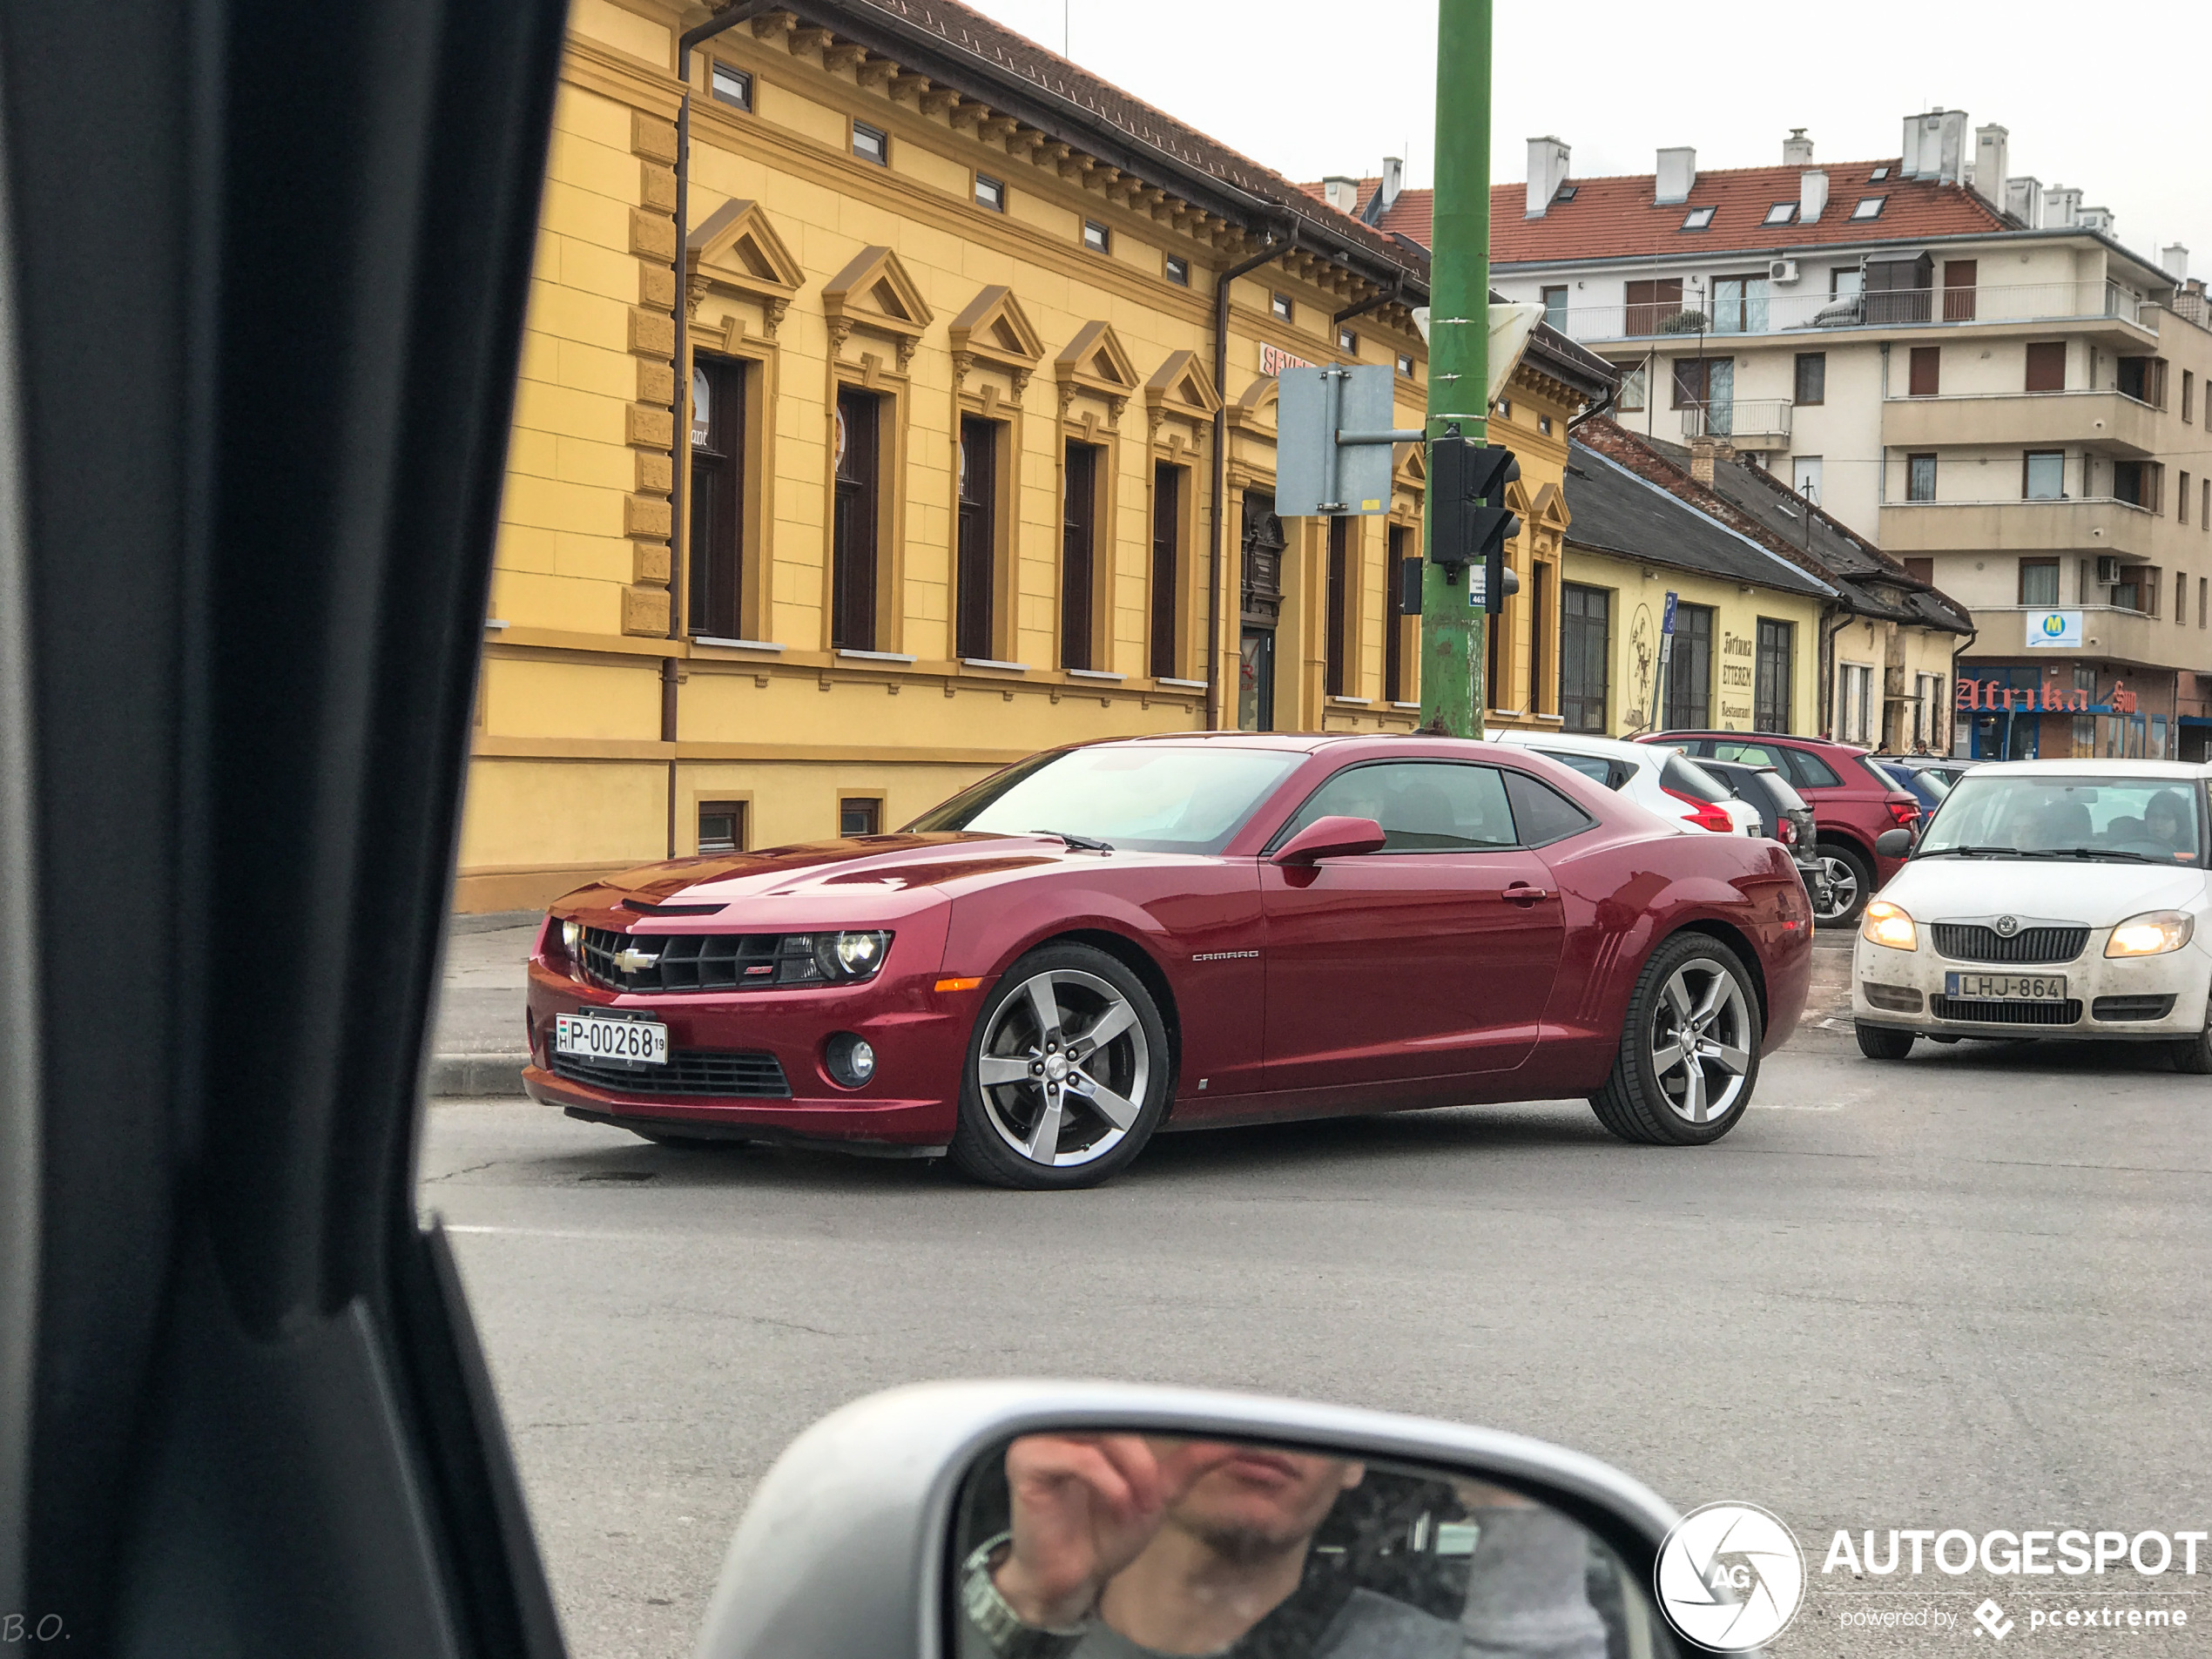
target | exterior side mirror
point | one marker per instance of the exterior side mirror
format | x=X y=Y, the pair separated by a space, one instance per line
x=887 y=1530
x=1331 y=838
x=1894 y=843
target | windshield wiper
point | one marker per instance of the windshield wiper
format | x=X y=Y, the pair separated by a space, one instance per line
x=2095 y=853
x=1971 y=852
x=1081 y=843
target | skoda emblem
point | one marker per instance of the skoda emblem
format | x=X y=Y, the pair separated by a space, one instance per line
x=2007 y=926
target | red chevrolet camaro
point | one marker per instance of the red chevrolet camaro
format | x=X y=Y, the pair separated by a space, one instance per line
x=1181 y=932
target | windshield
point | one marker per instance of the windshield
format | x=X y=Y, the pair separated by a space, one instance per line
x=1163 y=798
x=2040 y=815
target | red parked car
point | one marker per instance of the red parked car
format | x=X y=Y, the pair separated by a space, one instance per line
x=1853 y=801
x=1191 y=932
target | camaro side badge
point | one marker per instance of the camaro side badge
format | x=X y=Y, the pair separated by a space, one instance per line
x=1224 y=955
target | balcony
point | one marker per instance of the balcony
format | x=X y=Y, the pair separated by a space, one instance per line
x=1789 y=312
x=1747 y=422
x=2086 y=528
x=2108 y=631
x=2106 y=420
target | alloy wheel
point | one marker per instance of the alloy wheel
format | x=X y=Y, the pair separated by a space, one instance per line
x=1843 y=887
x=1701 y=1041
x=1064 y=1068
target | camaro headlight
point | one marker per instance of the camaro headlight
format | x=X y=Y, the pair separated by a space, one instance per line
x=2150 y=935
x=1886 y=924
x=830 y=959
x=572 y=939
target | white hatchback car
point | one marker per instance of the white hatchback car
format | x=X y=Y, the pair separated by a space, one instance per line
x=2048 y=898
x=1661 y=780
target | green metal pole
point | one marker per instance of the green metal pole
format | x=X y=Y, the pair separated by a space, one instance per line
x=1453 y=632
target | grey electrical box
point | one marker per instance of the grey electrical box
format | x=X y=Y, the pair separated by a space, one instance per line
x=1333 y=440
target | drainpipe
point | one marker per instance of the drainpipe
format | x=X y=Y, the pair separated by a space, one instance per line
x=1274 y=246
x=679 y=442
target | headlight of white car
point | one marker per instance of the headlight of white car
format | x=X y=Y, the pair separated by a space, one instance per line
x=2151 y=935
x=1887 y=924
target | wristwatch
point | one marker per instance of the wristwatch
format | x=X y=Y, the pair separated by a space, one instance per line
x=998 y=1624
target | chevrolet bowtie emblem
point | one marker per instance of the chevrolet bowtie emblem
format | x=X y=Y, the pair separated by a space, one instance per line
x=630 y=959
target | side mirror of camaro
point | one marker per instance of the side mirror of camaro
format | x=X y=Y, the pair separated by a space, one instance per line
x=990 y=1520
x=1331 y=838
x=1893 y=843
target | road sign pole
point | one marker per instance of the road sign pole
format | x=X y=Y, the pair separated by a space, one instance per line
x=1453 y=631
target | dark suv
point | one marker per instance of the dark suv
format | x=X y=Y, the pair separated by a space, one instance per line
x=1852 y=800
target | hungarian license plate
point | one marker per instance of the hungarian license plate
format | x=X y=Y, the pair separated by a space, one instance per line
x=594 y=1036
x=2006 y=988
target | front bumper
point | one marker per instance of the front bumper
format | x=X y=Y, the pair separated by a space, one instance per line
x=920 y=1036
x=2109 y=999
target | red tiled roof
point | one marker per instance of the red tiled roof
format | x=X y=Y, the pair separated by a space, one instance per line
x=1615 y=218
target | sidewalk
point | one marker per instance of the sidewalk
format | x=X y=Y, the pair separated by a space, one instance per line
x=476 y=1033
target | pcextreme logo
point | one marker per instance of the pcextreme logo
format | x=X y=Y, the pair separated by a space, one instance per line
x=1730 y=1576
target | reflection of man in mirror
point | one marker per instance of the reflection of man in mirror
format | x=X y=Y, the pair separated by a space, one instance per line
x=1122 y=1547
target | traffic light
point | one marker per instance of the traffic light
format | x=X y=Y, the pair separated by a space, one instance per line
x=1471 y=522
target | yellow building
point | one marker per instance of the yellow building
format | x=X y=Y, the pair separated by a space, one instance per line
x=972 y=465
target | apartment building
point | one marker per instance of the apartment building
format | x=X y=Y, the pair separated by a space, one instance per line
x=1964 y=365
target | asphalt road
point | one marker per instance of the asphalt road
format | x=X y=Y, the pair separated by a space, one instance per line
x=1967 y=1291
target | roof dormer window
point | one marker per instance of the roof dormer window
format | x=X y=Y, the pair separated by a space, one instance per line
x=1869 y=207
x=1699 y=219
x=1781 y=213
x=1877 y=175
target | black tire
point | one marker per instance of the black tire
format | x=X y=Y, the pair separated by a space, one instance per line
x=1134 y=1068
x=1850 y=884
x=2193 y=1055
x=1881 y=1043
x=1638 y=1102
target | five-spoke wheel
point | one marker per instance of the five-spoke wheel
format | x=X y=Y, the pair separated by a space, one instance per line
x=1689 y=1056
x=1068 y=1072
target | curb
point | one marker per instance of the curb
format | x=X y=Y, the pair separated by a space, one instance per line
x=476 y=1076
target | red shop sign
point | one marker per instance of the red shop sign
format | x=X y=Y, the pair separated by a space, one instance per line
x=1994 y=697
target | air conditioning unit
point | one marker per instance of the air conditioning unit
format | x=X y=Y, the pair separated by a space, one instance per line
x=2108 y=569
x=1782 y=270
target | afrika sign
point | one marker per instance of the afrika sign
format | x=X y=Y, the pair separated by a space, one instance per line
x=1994 y=697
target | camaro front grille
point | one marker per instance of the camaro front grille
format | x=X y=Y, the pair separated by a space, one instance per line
x=688 y=1071
x=647 y=962
x=1957 y=1007
x=1971 y=942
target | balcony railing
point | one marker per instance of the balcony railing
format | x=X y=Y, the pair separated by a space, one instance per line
x=1783 y=312
x=1741 y=418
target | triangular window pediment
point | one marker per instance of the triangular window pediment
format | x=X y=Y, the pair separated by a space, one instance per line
x=1180 y=385
x=736 y=247
x=994 y=327
x=1095 y=360
x=873 y=291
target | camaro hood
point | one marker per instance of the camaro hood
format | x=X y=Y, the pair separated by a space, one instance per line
x=2095 y=893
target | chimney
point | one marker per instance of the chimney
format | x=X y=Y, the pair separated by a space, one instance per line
x=1812 y=195
x=1546 y=172
x=2174 y=259
x=1797 y=149
x=1701 y=461
x=1993 y=152
x=2094 y=218
x=1343 y=193
x=1393 y=180
x=2061 y=206
x=2024 y=200
x=1678 y=175
x=1934 y=146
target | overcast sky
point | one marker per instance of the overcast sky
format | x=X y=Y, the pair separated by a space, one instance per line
x=2111 y=100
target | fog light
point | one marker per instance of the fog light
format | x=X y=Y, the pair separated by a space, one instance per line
x=852 y=1060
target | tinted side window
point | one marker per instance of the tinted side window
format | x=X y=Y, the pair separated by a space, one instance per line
x=1686 y=777
x=1597 y=768
x=1808 y=770
x=1423 y=806
x=1542 y=814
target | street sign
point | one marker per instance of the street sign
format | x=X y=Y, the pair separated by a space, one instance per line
x=1668 y=625
x=1478 y=587
x=1332 y=448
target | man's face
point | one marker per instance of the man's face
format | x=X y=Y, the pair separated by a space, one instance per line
x=1264 y=1499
